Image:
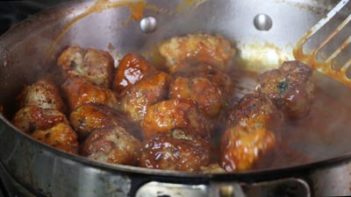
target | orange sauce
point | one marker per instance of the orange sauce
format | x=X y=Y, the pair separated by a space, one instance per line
x=136 y=8
x=188 y=4
x=325 y=67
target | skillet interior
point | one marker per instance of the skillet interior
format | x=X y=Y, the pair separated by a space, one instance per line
x=31 y=41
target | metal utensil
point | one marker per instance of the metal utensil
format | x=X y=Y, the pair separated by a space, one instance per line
x=331 y=40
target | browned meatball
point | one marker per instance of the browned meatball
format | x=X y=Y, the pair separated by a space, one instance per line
x=80 y=91
x=175 y=150
x=95 y=65
x=179 y=51
x=131 y=69
x=175 y=114
x=89 y=117
x=43 y=94
x=251 y=132
x=112 y=145
x=290 y=87
x=31 y=118
x=60 y=136
x=146 y=92
x=219 y=78
x=205 y=93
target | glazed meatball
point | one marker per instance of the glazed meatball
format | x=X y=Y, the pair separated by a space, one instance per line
x=219 y=78
x=179 y=51
x=175 y=150
x=251 y=132
x=31 y=118
x=43 y=94
x=60 y=136
x=205 y=93
x=290 y=87
x=131 y=69
x=175 y=114
x=89 y=117
x=80 y=91
x=95 y=65
x=146 y=92
x=112 y=145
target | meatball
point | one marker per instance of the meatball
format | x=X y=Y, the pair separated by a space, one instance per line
x=95 y=65
x=205 y=93
x=43 y=94
x=175 y=114
x=175 y=150
x=131 y=69
x=89 y=117
x=112 y=145
x=146 y=92
x=80 y=91
x=252 y=131
x=60 y=136
x=215 y=50
x=219 y=78
x=31 y=118
x=290 y=87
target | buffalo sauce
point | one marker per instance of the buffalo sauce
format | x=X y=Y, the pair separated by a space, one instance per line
x=136 y=8
x=322 y=134
x=325 y=67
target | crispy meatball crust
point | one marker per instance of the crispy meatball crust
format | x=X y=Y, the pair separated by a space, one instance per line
x=112 y=145
x=205 y=93
x=218 y=77
x=95 y=65
x=80 y=91
x=60 y=136
x=89 y=117
x=290 y=87
x=243 y=146
x=131 y=69
x=251 y=132
x=175 y=114
x=175 y=150
x=43 y=94
x=146 y=92
x=31 y=118
x=205 y=48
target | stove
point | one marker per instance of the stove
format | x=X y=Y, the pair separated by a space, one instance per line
x=12 y=12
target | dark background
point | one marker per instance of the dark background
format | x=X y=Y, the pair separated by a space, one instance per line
x=12 y=12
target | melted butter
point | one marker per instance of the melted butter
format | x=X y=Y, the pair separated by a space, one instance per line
x=260 y=57
x=324 y=67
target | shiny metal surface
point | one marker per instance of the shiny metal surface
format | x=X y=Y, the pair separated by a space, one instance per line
x=53 y=173
x=263 y=22
x=293 y=187
x=148 y=24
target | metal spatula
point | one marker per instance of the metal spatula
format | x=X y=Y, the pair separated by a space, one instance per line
x=329 y=42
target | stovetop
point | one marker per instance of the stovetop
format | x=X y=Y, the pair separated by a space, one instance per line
x=12 y=12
